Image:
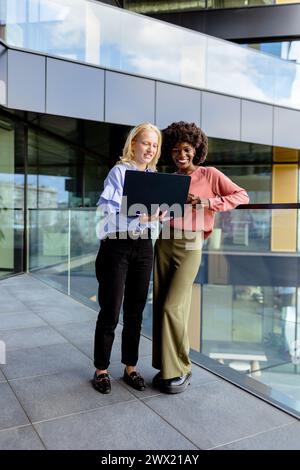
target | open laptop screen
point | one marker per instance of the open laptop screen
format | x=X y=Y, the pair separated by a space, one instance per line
x=146 y=191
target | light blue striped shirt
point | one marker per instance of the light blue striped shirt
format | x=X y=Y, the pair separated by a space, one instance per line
x=109 y=204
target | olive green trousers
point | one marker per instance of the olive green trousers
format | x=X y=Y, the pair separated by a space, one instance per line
x=176 y=264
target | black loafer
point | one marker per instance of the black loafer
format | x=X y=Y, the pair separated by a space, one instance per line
x=158 y=381
x=177 y=384
x=135 y=380
x=101 y=383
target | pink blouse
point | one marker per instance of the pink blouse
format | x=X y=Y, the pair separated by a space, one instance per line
x=222 y=194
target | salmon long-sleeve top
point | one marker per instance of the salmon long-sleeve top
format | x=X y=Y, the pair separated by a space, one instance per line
x=222 y=194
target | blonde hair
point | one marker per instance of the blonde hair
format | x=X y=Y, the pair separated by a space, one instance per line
x=127 y=154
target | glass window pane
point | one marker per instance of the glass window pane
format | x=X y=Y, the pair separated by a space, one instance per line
x=55 y=170
x=11 y=197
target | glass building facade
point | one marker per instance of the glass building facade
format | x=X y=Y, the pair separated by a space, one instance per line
x=48 y=162
x=245 y=310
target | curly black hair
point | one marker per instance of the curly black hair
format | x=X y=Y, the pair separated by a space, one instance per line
x=185 y=132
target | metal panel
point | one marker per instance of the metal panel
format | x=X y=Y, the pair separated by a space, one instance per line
x=26 y=81
x=221 y=116
x=74 y=90
x=3 y=75
x=129 y=100
x=286 y=127
x=177 y=103
x=257 y=123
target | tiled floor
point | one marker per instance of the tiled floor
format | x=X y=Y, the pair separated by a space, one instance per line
x=47 y=401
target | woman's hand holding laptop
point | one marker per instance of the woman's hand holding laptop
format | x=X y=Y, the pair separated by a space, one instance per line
x=144 y=218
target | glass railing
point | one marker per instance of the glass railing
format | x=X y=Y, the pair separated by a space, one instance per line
x=259 y=230
x=249 y=302
x=88 y=31
x=62 y=246
x=245 y=319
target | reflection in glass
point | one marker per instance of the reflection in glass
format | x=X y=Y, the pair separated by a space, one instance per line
x=49 y=246
x=11 y=198
x=251 y=74
x=63 y=247
x=91 y=32
x=55 y=173
x=256 y=178
x=84 y=248
x=286 y=50
x=225 y=152
x=241 y=231
x=158 y=50
x=244 y=322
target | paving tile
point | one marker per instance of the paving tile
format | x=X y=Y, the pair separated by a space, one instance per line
x=30 y=337
x=66 y=314
x=23 y=276
x=22 y=280
x=44 y=360
x=222 y=411
x=144 y=366
x=55 y=395
x=10 y=321
x=87 y=348
x=78 y=332
x=31 y=296
x=283 y=438
x=56 y=379
x=11 y=413
x=44 y=298
x=20 y=283
x=37 y=294
x=6 y=300
x=8 y=305
x=2 y=377
x=5 y=294
x=24 y=438
x=22 y=289
x=130 y=426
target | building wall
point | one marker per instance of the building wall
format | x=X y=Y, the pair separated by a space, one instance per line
x=33 y=82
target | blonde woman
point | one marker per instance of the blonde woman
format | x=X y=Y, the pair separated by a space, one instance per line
x=124 y=261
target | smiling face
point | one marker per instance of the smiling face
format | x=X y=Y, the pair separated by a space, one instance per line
x=144 y=147
x=183 y=154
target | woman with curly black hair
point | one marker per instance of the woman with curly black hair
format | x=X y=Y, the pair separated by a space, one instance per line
x=178 y=256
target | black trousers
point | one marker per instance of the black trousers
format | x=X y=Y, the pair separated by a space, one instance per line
x=123 y=270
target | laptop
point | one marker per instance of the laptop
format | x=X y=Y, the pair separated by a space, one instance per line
x=146 y=191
